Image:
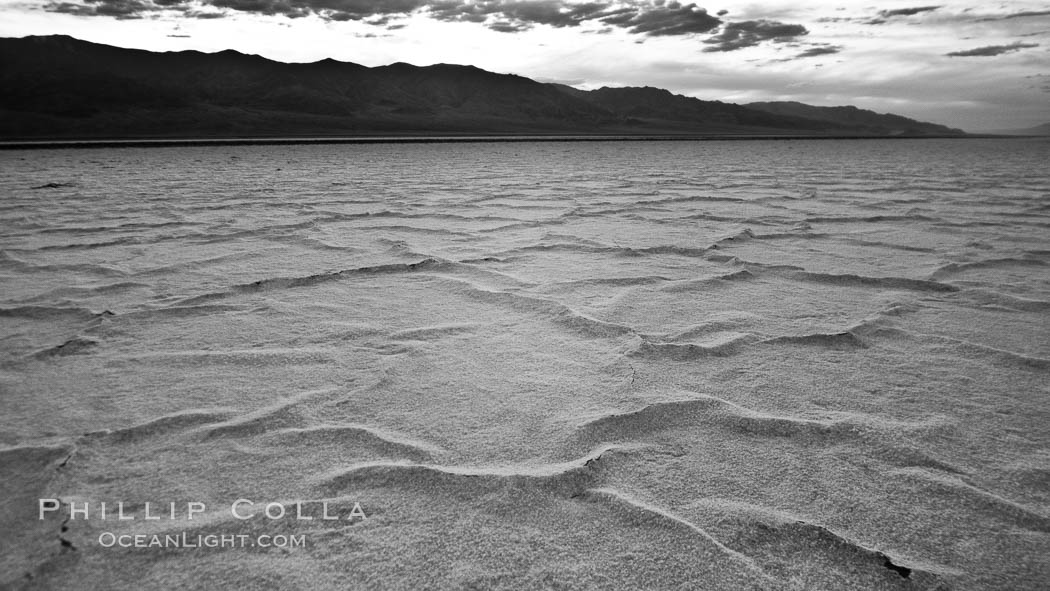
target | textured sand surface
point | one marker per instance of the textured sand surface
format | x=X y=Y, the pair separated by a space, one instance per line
x=718 y=365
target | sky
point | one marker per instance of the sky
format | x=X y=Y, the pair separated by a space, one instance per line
x=977 y=66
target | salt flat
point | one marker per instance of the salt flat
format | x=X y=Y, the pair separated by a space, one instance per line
x=717 y=365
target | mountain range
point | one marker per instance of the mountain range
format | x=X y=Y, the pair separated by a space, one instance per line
x=59 y=87
x=1041 y=130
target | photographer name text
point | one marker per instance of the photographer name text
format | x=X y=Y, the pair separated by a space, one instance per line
x=242 y=509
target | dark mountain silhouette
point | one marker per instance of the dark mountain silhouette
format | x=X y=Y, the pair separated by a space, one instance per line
x=656 y=108
x=862 y=120
x=61 y=87
x=1042 y=130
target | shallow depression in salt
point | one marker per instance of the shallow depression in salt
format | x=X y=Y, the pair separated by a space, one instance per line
x=598 y=365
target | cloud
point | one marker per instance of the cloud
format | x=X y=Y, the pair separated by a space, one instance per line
x=815 y=50
x=652 y=18
x=887 y=15
x=906 y=11
x=337 y=10
x=1024 y=14
x=508 y=27
x=992 y=50
x=1040 y=82
x=820 y=50
x=517 y=15
x=672 y=19
x=743 y=34
x=121 y=9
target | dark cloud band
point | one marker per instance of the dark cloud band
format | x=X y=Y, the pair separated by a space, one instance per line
x=992 y=50
x=820 y=50
x=121 y=9
x=906 y=11
x=743 y=34
x=1017 y=15
x=651 y=18
x=886 y=15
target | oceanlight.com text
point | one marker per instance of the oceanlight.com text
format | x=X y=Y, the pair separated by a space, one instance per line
x=196 y=541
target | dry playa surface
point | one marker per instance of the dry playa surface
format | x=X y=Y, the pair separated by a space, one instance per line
x=739 y=365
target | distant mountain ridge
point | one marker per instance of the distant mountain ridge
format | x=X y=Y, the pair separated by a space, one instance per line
x=850 y=116
x=1042 y=130
x=61 y=87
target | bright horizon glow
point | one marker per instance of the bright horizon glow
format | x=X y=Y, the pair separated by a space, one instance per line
x=999 y=78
